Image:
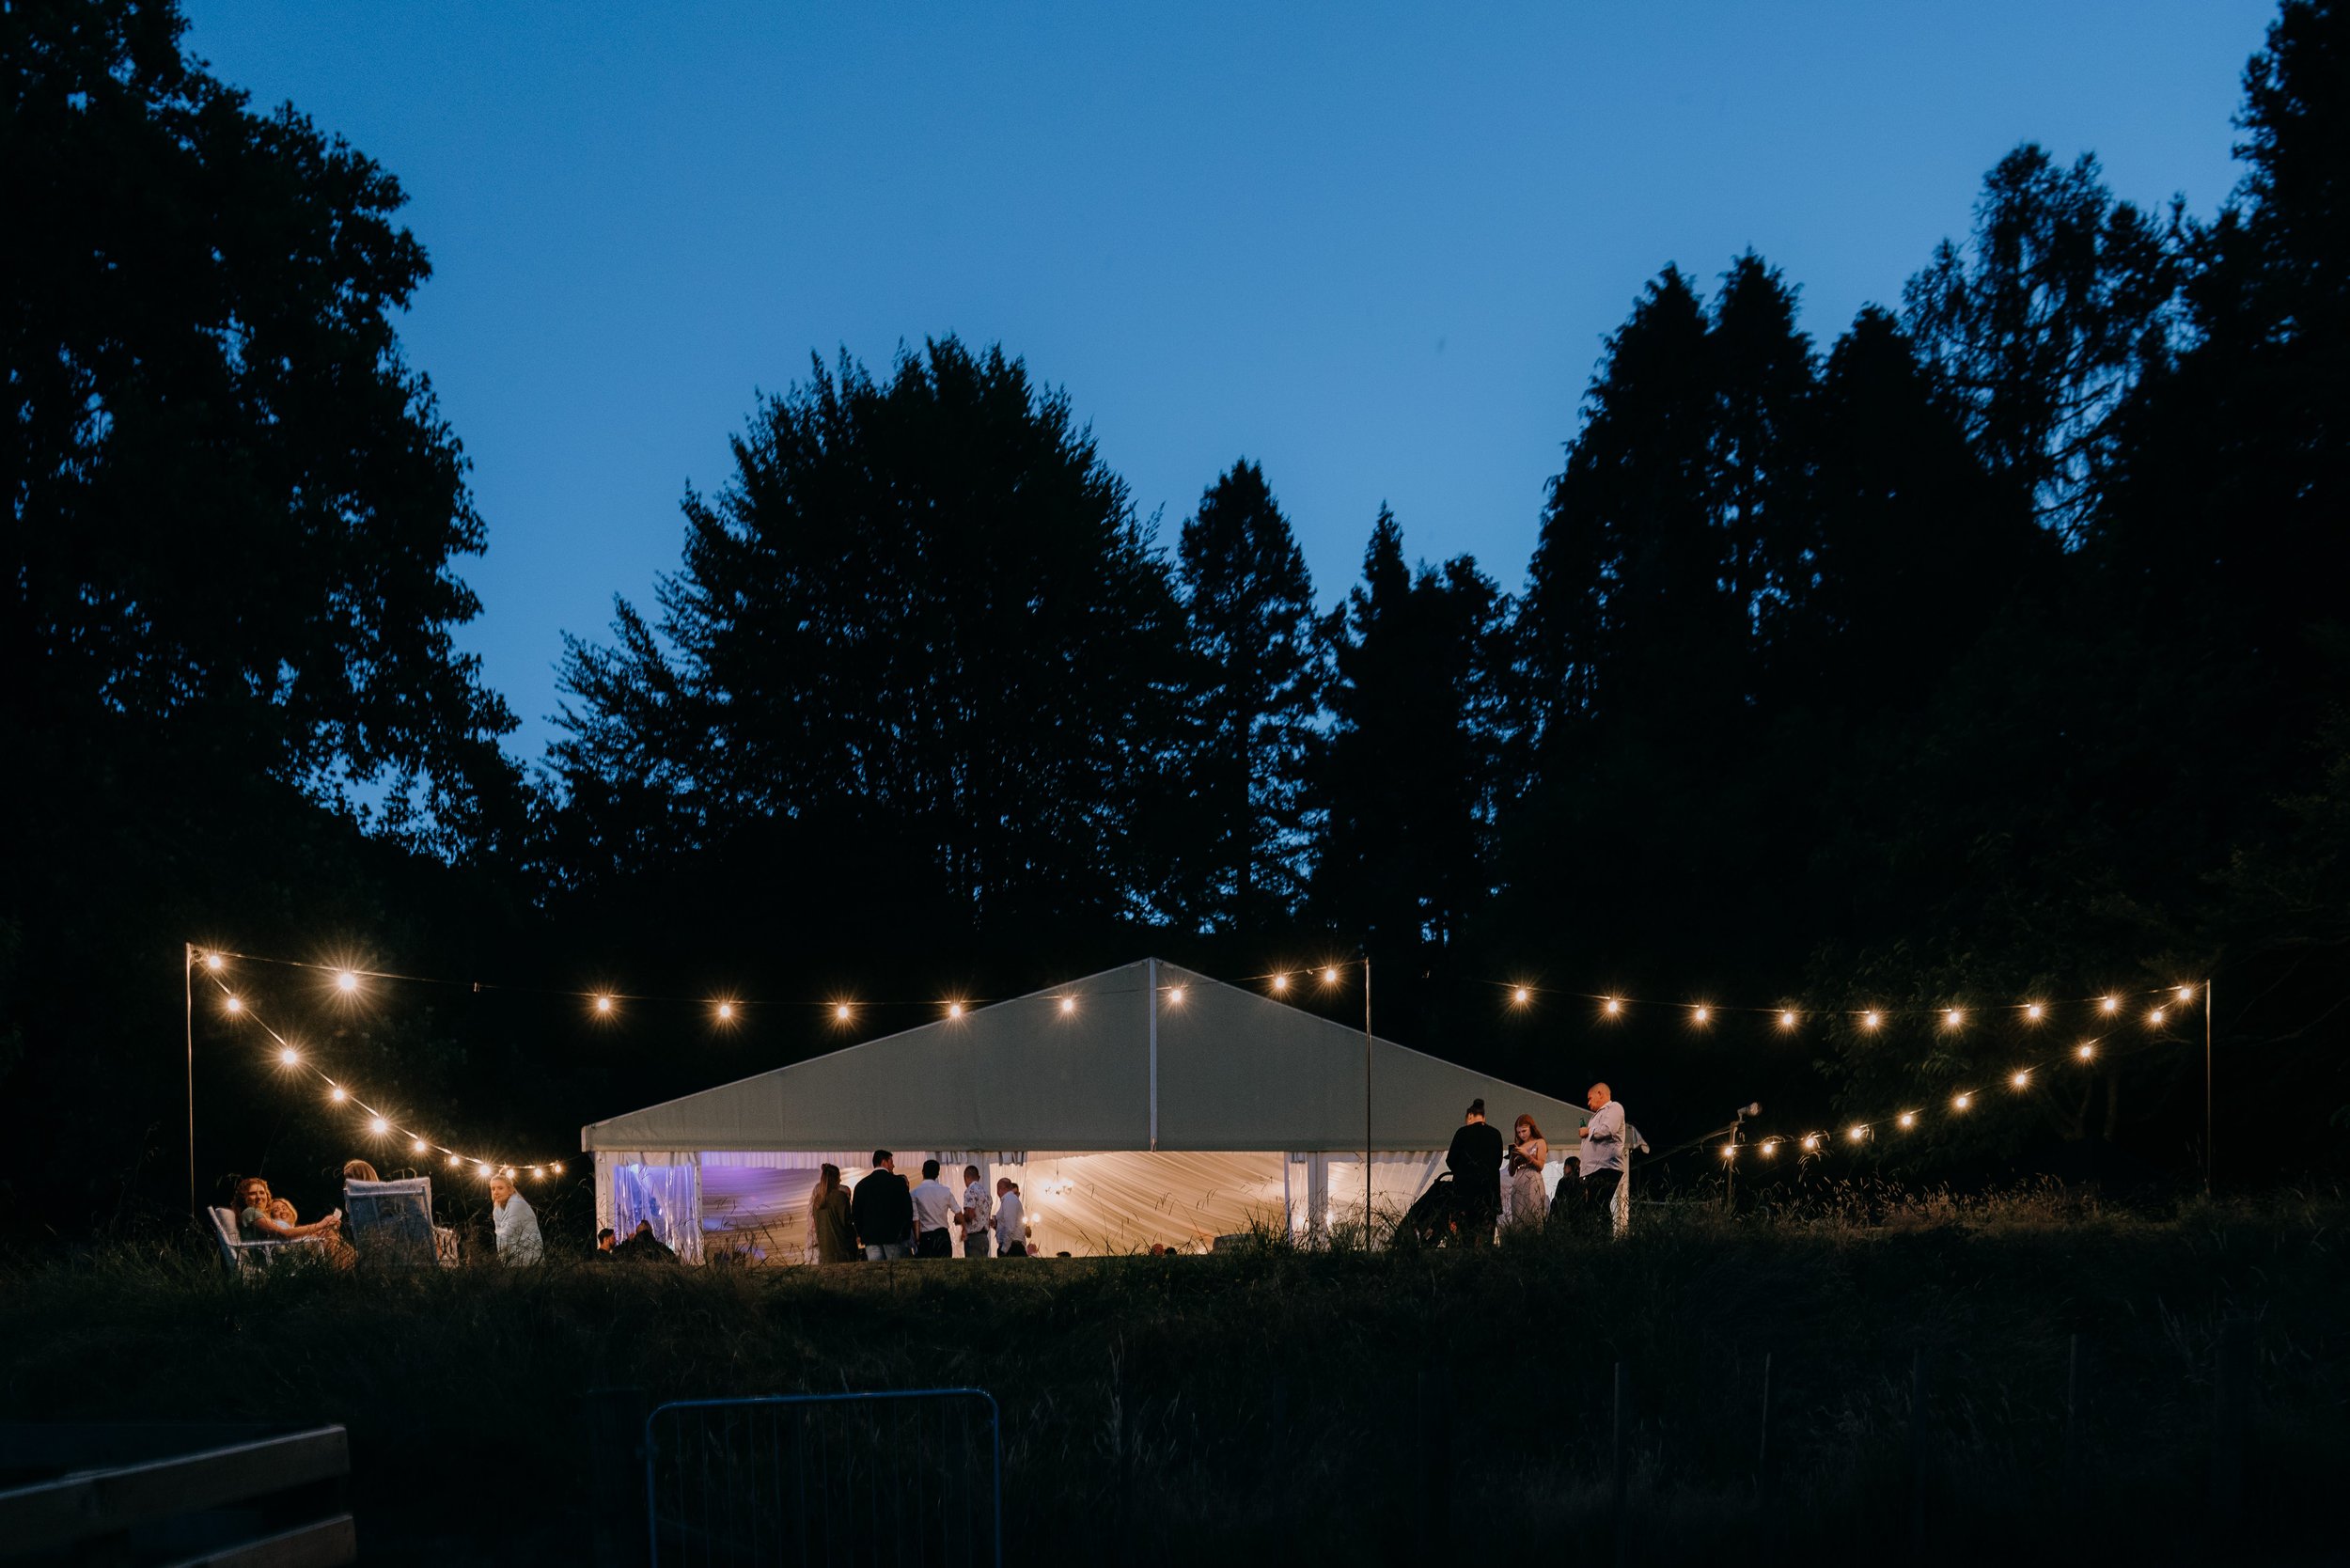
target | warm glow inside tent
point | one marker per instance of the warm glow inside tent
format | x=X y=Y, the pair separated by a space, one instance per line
x=1144 y=1104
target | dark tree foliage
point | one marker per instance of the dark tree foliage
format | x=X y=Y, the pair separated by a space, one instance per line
x=231 y=500
x=1234 y=820
x=2038 y=323
x=226 y=615
x=921 y=620
x=1407 y=779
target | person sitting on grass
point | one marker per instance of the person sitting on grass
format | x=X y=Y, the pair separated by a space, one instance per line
x=643 y=1246
x=512 y=1226
x=258 y=1219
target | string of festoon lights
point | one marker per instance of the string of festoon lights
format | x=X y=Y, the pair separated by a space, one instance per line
x=2153 y=1007
x=386 y=1128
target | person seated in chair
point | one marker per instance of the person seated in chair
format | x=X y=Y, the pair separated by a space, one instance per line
x=258 y=1219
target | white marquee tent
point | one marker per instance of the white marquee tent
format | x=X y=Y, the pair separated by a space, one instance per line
x=1144 y=1104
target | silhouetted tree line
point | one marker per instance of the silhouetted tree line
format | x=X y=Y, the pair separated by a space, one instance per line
x=1995 y=649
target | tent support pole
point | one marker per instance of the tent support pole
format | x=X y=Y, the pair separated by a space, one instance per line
x=189 y=1004
x=1366 y=1102
x=1150 y=984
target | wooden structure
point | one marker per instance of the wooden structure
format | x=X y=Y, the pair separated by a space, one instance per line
x=132 y=1494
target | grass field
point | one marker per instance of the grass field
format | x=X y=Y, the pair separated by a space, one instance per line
x=1273 y=1404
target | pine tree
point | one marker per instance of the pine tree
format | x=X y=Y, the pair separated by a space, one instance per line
x=1249 y=696
x=1406 y=778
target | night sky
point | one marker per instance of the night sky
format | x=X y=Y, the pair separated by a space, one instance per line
x=1376 y=250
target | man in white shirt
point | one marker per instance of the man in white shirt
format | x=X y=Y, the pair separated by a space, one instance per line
x=933 y=1210
x=1602 y=1153
x=977 y=1214
x=512 y=1224
x=1011 y=1235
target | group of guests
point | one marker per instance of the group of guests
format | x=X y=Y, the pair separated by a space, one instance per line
x=262 y=1216
x=1482 y=1164
x=885 y=1218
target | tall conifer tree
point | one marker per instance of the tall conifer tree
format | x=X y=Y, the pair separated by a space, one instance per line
x=1250 y=689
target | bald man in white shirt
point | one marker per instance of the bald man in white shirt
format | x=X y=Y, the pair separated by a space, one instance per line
x=1602 y=1153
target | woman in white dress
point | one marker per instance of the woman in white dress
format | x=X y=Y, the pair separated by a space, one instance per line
x=1530 y=1204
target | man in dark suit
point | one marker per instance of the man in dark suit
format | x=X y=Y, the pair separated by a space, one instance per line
x=1475 y=1161
x=881 y=1209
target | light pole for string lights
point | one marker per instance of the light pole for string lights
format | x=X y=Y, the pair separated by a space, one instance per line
x=187 y=998
x=1330 y=976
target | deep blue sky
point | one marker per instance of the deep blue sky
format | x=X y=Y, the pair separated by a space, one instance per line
x=1375 y=248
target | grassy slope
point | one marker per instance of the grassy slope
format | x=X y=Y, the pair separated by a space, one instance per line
x=1271 y=1396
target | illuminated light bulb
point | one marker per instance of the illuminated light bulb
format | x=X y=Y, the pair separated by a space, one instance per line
x=1871 y=1020
x=557 y=1168
x=453 y=1160
x=1811 y=1140
x=339 y=1094
x=233 y=1003
x=1953 y=1017
x=213 y=962
x=2035 y=1012
x=481 y=1171
x=1701 y=1014
x=841 y=1012
x=726 y=1012
x=346 y=983
x=2086 y=1049
x=1614 y=1008
x=1175 y=995
x=1281 y=983
x=1068 y=1005
x=1330 y=976
x=1767 y=1150
x=2020 y=1079
x=1521 y=996
x=509 y=1172
x=2185 y=992
x=416 y=1146
x=2111 y=1004
x=1857 y=1134
x=1962 y=1102
x=954 y=1010
x=1787 y=1018
x=1909 y=1119
x=2155 y=1018
x=377 y=1125
x=289 y=1057
x=536 y=1172
x=604 y=1004
x=1730 y=1151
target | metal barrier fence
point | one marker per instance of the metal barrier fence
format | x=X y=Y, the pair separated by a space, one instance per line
x=844 y=1480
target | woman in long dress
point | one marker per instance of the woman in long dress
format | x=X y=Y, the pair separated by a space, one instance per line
x=828 y=1217
x=1530 y=1204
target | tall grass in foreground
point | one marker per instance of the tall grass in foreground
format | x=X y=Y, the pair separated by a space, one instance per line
x=1268 y=1400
